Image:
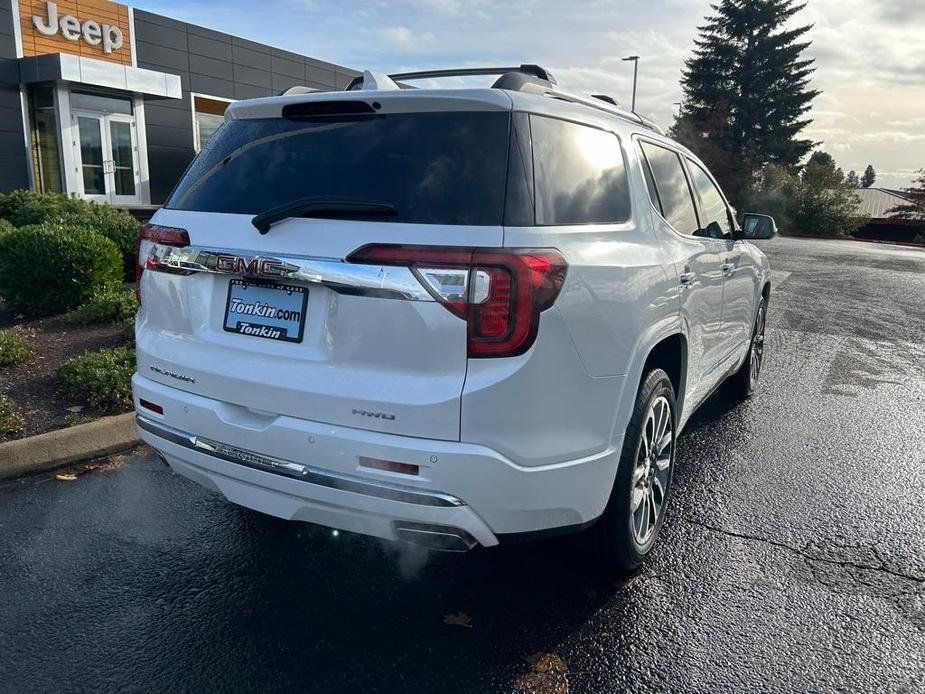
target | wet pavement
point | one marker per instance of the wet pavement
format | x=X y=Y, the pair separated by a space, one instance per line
x=792 y=559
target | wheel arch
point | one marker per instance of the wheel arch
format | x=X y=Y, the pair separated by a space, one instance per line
x=670 y=355
x=668 y=351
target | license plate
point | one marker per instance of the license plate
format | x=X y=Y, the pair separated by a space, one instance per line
x=271 y=311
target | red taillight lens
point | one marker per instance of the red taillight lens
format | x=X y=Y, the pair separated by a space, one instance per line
x=500 y=293
x=148 y=235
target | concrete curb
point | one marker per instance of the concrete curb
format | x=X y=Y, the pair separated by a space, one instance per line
x=64 y=446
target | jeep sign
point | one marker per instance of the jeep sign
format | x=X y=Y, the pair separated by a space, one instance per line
x=72 y=29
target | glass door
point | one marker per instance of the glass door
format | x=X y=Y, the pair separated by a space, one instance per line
x=123 y=160
x=92 y=167
x=107 y=156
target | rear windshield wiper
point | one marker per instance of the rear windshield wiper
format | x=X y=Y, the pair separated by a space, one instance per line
x=320 y=206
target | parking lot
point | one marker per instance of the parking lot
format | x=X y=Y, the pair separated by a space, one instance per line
x=792 y=559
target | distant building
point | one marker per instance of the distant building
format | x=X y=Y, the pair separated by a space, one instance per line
x=876 y=203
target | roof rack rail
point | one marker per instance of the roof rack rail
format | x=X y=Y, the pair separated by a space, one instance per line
x=605 y=103
x=526 y=69
x=523 y=78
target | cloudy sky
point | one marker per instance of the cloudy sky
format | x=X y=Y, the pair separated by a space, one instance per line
x=869 y=53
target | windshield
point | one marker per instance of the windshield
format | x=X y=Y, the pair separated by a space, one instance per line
x=433 y=168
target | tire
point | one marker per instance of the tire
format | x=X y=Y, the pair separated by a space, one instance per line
x=620 y=541
x=743 y=382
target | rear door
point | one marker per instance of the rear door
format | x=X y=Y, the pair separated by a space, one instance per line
x=280 y=323
x=739 y=278
x=699 y=269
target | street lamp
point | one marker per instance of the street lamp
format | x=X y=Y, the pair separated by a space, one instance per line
x=635 y=59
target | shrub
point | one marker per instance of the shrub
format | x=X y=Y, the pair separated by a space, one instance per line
x=25 y=208
x=5 y=227
x=106 y=306
x=102 y=378
x=46 y=269
x=15 y=347
x=10 y=421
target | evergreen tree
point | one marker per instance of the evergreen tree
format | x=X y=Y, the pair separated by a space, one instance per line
x=867 y=180
x=915 y=207
x=853 y=180
x=746 y=92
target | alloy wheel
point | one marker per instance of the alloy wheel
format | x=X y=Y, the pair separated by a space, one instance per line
x=757 y=350
x=652 y=472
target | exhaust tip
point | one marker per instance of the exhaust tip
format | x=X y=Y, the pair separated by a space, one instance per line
x=442 y=538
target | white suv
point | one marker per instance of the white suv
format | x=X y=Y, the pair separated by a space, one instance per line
x=455 y=317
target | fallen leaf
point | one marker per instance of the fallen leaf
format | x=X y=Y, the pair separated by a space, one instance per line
x=459 y=619
x=548 y=675
x=66 y=477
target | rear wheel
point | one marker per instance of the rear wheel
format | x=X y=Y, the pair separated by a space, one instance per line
x=627 y=531
x=743 y=382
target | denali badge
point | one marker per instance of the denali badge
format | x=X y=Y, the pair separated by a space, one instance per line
x=377 y=415
x=172 y=374
x=253 y=265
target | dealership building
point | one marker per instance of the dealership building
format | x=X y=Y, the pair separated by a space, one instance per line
x=111 y=103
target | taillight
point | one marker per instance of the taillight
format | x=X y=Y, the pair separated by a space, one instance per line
x=150 y=234
x=499 y=293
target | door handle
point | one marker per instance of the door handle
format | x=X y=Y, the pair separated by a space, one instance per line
x=728 y=267
x=686 y=278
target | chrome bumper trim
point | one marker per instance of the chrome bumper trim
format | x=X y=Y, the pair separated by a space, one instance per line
x=323 y=478
x=386 y=282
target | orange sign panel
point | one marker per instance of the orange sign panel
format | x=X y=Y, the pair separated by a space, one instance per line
x=92 y=28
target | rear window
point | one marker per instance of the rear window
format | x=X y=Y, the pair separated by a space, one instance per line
x=579 y=174
x=435 y=168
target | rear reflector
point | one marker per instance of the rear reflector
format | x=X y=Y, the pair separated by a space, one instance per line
x=498 y=292
x=151 y=406
x=389 y=466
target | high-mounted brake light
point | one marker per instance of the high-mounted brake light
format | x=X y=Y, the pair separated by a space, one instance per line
x=150 y=234
x=499 y=293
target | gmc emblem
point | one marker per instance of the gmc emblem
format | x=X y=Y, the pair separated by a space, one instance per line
x=254 y=266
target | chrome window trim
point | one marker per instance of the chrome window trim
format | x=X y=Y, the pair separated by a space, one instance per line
x=387 y=282
x=305 y=473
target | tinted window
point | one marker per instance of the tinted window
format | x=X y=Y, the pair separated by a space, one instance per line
x=435 y=168
x=711 y=200
x=673 y=191
x=579 y=174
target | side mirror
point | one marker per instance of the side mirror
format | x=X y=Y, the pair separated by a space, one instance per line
x=758 y=226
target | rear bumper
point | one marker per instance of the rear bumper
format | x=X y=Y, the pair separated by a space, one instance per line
x=302 y=470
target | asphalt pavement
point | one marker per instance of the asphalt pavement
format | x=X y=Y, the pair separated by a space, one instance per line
x=792 y=559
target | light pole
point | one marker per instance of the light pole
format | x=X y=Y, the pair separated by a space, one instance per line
x=635 y=59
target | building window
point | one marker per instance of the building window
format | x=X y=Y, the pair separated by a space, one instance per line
x=46 y=161
x=208 y=115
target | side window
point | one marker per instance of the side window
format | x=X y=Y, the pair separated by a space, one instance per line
x=711 y=201
x=673 y=191
x=579 y=174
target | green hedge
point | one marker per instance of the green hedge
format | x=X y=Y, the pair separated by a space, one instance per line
x=48 y=269
x=24 y=208
x=106 y=306
x=102 y=378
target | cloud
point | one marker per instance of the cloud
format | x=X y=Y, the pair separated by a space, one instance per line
x=869 y=59
x=404 y=38
x=902 y=10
